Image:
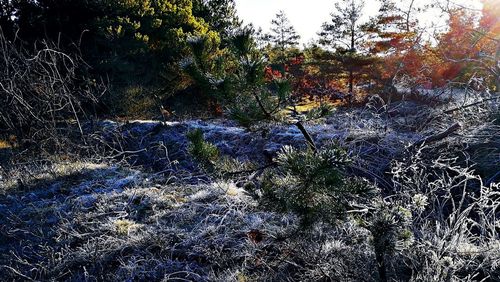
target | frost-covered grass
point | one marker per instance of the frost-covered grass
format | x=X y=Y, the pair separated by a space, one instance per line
x=33 y=176
x=106 y=227
x=119 y=224
x=437 y=210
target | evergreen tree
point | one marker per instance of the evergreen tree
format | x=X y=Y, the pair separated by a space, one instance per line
x=136 y=43
x=393 y=29
x=147 y=38
x=283 y=34
x=345 y=34
x=220 y=15
x=393 y=38
x=239 y=79
x=344 y=31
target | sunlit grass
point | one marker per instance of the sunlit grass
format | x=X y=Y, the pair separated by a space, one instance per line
x=124 y=226
x=306 y=106
x=51 y=173
x=5 y=145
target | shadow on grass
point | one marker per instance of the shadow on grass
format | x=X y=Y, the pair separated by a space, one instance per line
x=5 y=155
x=31 y=209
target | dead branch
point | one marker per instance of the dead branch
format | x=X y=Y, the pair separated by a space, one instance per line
x=439 y=136
x=471 y=105
x=308 y=137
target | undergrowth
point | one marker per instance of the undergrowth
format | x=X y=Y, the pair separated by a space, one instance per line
x=358 y=209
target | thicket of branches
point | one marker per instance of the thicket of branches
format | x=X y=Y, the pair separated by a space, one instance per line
x=43 y=92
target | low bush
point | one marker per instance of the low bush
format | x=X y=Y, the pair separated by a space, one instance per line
x=207 y=154
x=313 y=185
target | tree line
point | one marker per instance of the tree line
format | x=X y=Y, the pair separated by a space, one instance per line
x=137 y=48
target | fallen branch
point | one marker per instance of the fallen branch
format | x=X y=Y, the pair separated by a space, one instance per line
x=439 y=136
x=471 y=105
x=127 y=153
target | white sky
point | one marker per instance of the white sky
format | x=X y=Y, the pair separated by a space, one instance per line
x=307 y=16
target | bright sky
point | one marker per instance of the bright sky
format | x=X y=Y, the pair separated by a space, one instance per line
x=308 y=15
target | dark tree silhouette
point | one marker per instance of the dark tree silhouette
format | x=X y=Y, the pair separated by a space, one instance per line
x=219 y=14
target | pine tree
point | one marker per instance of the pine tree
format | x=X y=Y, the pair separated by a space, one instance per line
x=393 y=29
x=345 y=34
x=393 y=38
x=344 y=31
x=147 y=39
x=241 y=81
x=220 y=15
x=283 y=34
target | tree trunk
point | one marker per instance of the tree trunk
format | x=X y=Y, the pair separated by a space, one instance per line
x=307 y=136
x=351 y=73
x=351 y=86
x=351 y=81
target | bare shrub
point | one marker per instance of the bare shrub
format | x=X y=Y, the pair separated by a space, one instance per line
x=454 y=221
x=43 y=93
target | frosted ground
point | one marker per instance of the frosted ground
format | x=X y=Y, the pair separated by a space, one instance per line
x=152 y=214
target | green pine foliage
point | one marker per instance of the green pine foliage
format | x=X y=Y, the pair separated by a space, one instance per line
x=211 y=160
x=204 y=152
x=220 y=15
x=236 y=78
x=323 y=110
x=146 y=39
x=345 y=34
x=344 y=30
x=389 y=226
x=313 y=186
